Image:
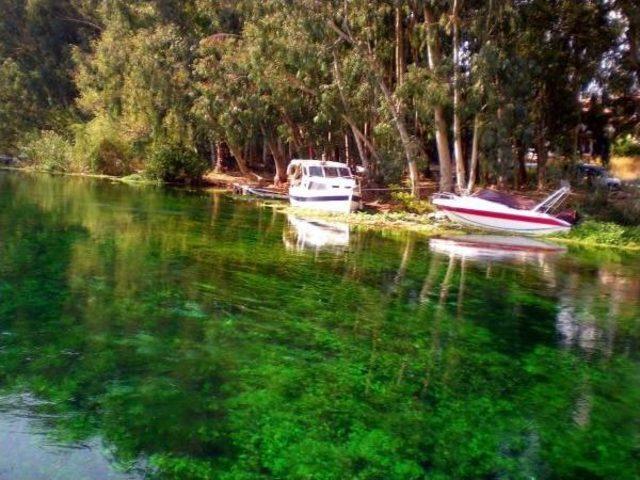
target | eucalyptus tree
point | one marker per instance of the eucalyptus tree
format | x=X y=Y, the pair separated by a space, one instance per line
x=630 y=12
x=137 y=79
x=291 y=68
x=369 y=30
x=563 y=43
x=36 y=87
x=227 y=100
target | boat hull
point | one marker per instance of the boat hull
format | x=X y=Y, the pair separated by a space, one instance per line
x=504 y=219
x=327 y=203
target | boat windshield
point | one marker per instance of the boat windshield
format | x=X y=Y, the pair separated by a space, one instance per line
x=337 y=172
x=512 y=201
x=315 y=171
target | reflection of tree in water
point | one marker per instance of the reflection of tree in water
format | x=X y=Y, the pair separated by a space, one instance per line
x=195 y=339
x=579 y=423
x=599 y=310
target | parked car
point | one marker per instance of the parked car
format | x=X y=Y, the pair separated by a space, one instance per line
x=598 y=176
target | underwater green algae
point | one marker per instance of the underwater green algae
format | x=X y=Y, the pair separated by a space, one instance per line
x=183 y=335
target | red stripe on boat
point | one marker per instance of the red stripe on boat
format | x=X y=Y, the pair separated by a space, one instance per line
x=506 y=216
x=506 y=247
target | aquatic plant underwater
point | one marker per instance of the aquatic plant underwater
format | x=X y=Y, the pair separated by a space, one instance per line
x=183 y=331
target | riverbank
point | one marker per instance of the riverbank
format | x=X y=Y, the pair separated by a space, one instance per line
x=589 y=233
x=129 y=179
x=389 y=222
x=210 y=181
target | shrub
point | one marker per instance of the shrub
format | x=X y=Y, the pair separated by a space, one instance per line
x=598 y=205
x=47 y=150
x=100 y=148
x=607 y=233
x=410 y=204
x=175 y=163
x=627 y=146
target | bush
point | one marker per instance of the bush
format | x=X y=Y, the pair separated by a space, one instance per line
x=410 y=204
x=598 y=205
x=606 y=233
x=175 y=163
x=47 y=150
x=99 y=148
x=627 y=146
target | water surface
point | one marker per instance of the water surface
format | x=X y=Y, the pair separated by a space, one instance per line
x=157 y=333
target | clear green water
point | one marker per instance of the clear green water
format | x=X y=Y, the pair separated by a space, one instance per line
x=152 y=333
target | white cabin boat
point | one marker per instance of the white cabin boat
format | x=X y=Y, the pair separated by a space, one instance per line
x=489 y=209
x=321 y=185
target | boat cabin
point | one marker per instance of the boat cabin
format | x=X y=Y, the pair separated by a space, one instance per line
x=318 y=169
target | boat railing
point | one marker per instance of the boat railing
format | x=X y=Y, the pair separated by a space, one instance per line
x=553 y=200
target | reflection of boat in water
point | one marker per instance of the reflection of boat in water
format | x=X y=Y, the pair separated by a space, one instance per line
x=311 y=234
x=496 y=247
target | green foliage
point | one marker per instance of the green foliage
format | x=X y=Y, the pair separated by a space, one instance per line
x=411 y=205
x=175 y=163
x=17 y=108
x=606 y=233
x=627 y=146
x=600 y=205
x=273 y=80
x=47 y=150
x=99 y=147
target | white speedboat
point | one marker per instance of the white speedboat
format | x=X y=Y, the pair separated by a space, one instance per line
x=489 y=209
x=321 y=185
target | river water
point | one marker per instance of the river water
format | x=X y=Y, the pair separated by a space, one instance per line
x=159 y=333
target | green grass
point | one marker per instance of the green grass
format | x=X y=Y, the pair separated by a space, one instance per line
x=592 y=233
x=603 y=234
x=390 y=221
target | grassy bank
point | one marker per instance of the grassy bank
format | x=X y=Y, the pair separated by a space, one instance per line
x=589 y=233
x=134 y=179
x=594 y=233
x=390 y=222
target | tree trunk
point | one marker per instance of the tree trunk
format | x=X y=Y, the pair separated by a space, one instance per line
x=442 y=139
x=457 y=127
x=473 y=167
x=521 y=174
x=442 y=143
x=279 y=160
x=397 y=113
x=361 y=153
x=347 y=150
x=212 y=154
x=240 y=161
x=400 y=60
x=220 y=156
x=359 y=137
x=543 y=154
x=396 y=108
